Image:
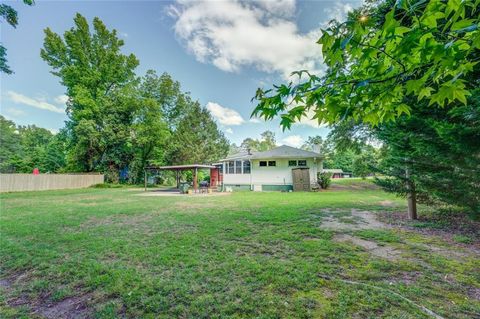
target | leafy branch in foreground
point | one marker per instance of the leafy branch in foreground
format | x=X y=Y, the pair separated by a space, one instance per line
x=385 y=53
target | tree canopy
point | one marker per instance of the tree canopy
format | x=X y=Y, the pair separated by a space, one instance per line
x=384 y=54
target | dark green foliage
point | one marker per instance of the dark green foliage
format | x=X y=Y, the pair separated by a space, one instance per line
x=324 y=180
x=441 y=148
x=197 y=138
x=24 y=148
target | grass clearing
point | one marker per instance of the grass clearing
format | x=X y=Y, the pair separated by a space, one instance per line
x=108 y=253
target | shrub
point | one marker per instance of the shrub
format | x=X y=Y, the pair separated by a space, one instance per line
x=324 y=179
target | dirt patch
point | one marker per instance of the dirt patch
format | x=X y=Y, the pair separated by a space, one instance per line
x=387 y=203
x=387 y=252
x=69 y=308
x=74 y=307
x=355 y=220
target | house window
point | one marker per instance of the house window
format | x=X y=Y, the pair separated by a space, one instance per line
x=302 y=163
x=292 y=163
x=231 y=167
x=263 y=163
x=272 y=163
x=238 y=167
x=246 y=167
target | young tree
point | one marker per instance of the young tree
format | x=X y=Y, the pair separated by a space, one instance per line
x=98 y=78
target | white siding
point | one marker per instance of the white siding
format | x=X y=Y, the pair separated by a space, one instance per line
x=281 y=174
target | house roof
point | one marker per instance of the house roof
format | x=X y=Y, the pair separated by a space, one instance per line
x=283 y=151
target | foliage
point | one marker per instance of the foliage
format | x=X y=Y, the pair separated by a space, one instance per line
x=440 y=147
x=197 y=138
x=11 y=17
x=266 y=142
x=324 y=179
x=382 y=55
x=99 y=80
x=24 y=148
x=119 y=124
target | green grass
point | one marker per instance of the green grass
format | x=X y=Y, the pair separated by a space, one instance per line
x=244 y=255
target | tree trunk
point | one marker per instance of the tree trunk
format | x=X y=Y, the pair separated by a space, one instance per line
x=411 y=196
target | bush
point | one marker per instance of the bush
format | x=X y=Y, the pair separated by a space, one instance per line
x=324 y=179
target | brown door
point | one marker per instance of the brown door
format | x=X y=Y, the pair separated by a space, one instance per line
x=301 y=179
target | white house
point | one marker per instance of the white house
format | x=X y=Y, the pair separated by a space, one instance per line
x=282 y=168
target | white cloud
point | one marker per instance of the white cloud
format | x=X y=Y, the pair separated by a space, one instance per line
x=235 y=34
x=61 y=99
x=224 y=115
x=37 y=103
x=338 y=11
x=54 y=131
x=255 y=120
x=228 y=130
x=15 y=112
x=293 y=140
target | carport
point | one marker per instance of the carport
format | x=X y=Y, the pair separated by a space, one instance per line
x=178 y=168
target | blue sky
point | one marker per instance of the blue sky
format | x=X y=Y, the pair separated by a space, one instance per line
x=220 y=51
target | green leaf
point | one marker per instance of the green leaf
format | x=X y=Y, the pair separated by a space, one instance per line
x=425 y=92
x=464 y=24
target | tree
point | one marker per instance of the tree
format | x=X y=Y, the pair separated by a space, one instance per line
x=197 y=138
x=384 y=53
x=10 y=148
x=99 y=80
x=10 y=15
x=388 y=60
x=151 y=132
x=23 y=148
x=265 y=143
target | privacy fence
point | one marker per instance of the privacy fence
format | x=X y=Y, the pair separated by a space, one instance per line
x=30 y=182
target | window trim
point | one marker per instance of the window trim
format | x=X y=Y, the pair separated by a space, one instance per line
x=249 y=167
x=289 y=162
x=298 y=163
x=232 y=166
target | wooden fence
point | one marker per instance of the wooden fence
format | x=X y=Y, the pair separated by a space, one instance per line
x=30 y=182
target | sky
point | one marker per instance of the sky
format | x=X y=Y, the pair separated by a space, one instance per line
x=220 y=51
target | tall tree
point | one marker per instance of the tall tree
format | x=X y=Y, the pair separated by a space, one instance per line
x=10 y=15
x=197 y=138
x=98 y=78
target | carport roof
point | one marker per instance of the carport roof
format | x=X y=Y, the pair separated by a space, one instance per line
x=179 y=167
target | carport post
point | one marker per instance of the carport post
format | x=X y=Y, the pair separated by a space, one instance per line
x=145 y=179
x=195 y=180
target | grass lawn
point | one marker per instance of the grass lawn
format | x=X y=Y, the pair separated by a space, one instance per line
x=108 y=253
